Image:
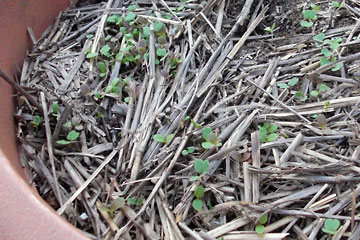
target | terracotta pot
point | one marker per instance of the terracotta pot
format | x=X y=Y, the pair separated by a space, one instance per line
x=23 y=214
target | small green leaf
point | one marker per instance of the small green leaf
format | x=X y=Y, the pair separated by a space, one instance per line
x=108 y=37
x=262 y=131
x=205 y=133
x=314 y=93
x=102 y=67
x=326 y=52
x=127 y=99
x=194 y=178
x=320 y=37
x=161 y=52
x=88 y=36
x=199 y=192
x=197 y=204
x=322 y=87
x=115 y=82
x=272 y=128
x=169 y=138
x=324 y=61
x=271 y=137
x=63 y=142
x=180 y=8
x=108 y=89
x=55 y=107
x=201 y=166
x=334 y=45
x=293 y=81
x=306 y=24
x=73 y=135
x=263 y=219
x=331 y=226
x=191 y=149
x=337 y=67
x=146 y=31
x=185 y=152
x=132 y=7
x=113 y=18
x=131 y=201
x=259 y=229
x=159 y=138
x=116 y=204
x=315 y=7
x=115 y=89
x=268 y=29
x=195 y=124
x=130 y=17
x=207 y=145
x=91 y=55
x=282 y=85
x=139 y=201
x=309 y=14
x=326 y=104
x=158 y=26
x=336 y=4
x=105 y=50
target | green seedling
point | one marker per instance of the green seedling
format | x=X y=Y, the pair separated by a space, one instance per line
x=130 y=17
x=71 y=137
x=98 y=95
x=319 y=89
x=158 y=26
x=161 y=52
x=180 y=8
x=113 y=87
x=292 y=82
x=210 y=139
x=337 y=67
x=267 y=132
x=195 y=124
x=132 y=8
x=115 y=19
x=199 y=194
x=326 y=105
x=337 y=5
x=309 y=18
x=300 y=96
x=260 y=228
x=114 y=205
x=331 y=226
x=36 y=121
x=162 y=139
x=270 y=29
x=188 y=151
x=91 y=55
x=105 y=50
x=315 y=7
x=135 y=201
x=102 y=69
x=201 y=167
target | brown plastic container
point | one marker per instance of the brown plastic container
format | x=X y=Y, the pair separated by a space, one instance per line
x=23 y=214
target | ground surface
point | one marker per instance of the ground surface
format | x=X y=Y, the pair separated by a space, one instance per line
x=191 y=120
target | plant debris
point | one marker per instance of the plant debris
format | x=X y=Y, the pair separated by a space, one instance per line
x=195 y=119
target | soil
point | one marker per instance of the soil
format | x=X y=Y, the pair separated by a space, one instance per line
x=196 y=144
